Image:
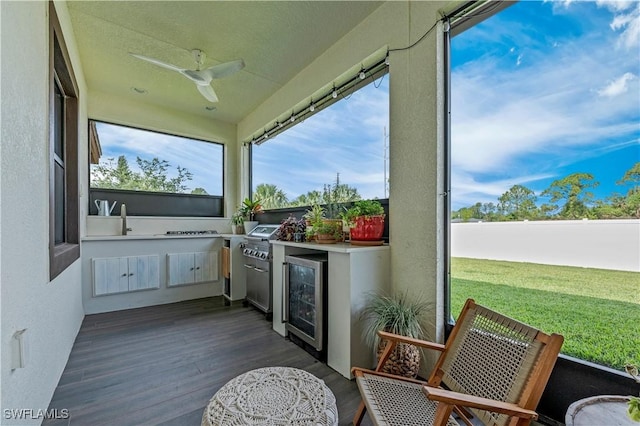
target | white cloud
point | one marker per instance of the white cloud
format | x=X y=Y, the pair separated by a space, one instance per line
x=626 y=20
x=616 y=5
x=617 y=86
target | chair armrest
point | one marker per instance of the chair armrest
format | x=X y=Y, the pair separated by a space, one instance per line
x=460 y=399
x=417 y=342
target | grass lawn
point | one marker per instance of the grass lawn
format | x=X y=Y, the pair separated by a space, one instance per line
x=596 y=310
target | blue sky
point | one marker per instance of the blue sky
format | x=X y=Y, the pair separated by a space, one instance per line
x=346 y=138
x=543 y=90
x=540 y=91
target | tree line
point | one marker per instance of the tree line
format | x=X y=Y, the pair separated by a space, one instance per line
x=152 y=176
x=568 y=198
x=272 y=197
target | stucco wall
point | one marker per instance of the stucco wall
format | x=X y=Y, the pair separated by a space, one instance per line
x=605 y=244
x=50 y=311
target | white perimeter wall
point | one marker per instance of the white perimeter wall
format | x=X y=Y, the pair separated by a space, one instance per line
x=604 y=244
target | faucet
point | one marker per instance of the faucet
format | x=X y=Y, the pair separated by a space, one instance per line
x=123 y=215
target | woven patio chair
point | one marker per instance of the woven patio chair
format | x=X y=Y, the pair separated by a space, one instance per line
x=491 y=367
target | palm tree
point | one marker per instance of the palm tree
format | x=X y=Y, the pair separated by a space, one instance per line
x=270 y=196
x=308 y=199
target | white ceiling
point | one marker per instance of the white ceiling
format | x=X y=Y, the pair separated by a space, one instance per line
x=276 y=39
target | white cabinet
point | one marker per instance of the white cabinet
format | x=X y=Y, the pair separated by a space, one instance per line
x=123 y=274
x=189 y=268
x=354 y=272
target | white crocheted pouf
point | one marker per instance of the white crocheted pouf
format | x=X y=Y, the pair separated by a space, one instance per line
x=272 y=396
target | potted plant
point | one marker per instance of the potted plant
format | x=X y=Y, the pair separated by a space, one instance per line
x=398 y=314
x=633 y=406
x=291 y=229
x=315 y=214
x=327 y=232
x=365 y=218
x=237 y=222
x=249 y=211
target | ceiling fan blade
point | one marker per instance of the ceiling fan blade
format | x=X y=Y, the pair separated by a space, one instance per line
x=199 y=77
x=157 y=62
x=225 y=69
x=208 y=92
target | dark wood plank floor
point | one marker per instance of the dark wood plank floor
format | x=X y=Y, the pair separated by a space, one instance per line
x=161 y=365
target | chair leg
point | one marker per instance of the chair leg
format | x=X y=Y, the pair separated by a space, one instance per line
x=357 y=418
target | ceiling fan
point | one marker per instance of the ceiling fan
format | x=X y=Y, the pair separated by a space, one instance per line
x=202 y=78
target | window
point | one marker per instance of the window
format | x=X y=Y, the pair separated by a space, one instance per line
x=64 y=246
x=155 y=174
x=544 y=146
x=342 y=149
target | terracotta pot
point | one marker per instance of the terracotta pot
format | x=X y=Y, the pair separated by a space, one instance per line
x=325 y=239
x=368 y=228
x=337 y=223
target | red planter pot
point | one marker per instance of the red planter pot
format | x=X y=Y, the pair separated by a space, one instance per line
x=368 y=228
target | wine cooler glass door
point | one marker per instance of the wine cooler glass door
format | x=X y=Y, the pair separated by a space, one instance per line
x=305 y=301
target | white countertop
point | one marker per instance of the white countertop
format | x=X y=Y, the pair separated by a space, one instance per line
x=337 y=247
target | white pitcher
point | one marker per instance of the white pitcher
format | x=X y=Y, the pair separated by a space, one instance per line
x=103 y=207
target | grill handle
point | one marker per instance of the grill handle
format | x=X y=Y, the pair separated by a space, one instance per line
x=285 y=293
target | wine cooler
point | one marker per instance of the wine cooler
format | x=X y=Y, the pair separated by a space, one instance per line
x=305 y=302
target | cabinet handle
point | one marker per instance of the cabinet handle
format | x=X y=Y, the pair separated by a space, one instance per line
x=260 y=269
x=248 y=266
x=131 y=274
x=197 y=268
x=124 y=275
x=192 y=269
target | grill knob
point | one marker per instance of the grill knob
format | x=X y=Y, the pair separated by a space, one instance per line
x=263 y=255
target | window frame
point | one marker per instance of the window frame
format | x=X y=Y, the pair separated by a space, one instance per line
x=61 y=74
x=156 y=204
x=354 y=83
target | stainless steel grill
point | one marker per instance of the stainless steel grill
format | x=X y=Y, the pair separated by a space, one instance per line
x=257 y=261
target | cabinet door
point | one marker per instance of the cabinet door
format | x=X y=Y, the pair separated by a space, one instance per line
x=206 y=266
x=188 y=268
x=110 y=275
x=143 y=272
x=181 y=268
x=226 y=262
x=250 y=273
